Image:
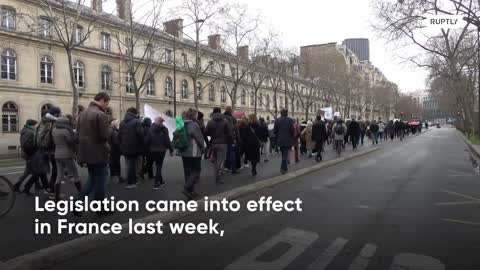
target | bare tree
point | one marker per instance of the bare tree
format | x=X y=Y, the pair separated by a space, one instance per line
x=309 y=95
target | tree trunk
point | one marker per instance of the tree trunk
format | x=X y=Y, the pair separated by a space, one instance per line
x=195 y=97
x=74 y=87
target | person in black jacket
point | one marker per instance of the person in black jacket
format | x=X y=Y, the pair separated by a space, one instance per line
x=319 y=136
x=131 y=141
x=27 y=142
x=284 y=134
x=232 y=148
x=374 y=129
x=354 y=132
x=115 y=153
x=147 y=162
x=263 y=136
x=221 y=133
x=252 y=142
x=158 y=142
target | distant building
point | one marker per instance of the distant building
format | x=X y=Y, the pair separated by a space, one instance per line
x=432 y=111
x=360 y=47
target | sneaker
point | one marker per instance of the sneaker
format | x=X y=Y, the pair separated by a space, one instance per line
x=283 y=172
x=156 y=186
x=132 y=186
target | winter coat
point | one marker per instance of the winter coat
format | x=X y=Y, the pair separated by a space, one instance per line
x=263 y=133
x=43 y=135
x=64 y=139
x=319 y=132
x=339 y=137
x=252 y=142
x=196 y=146
x=219 y=130
x=158 y=139
x=284 y=131
x=362 y=126
x=381 y=127
x=307 y=135
x=354 y=128
x=374 y=128
x=116 y=150
x=131 y=135
x=94 y=132
x=27 y=141
x=233 y=124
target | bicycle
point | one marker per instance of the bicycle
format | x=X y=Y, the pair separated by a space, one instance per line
x=7 y=196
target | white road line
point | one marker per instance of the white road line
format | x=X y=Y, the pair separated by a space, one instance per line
x=367 y=163
x=460 y=195
x=362 y=260
x=415 y=262
x=298 y=240
x=12 y=173
x=328 y=255
x=465 y=222
x=456 y=203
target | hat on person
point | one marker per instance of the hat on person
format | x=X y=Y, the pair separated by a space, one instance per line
x=31 y=122
x=55 y=111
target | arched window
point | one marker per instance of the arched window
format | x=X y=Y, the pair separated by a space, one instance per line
x=223 y=94
x=44 y=109
x=7 y=17
x=211 y=93
x=168 y=87
x=46 y=70
x=9 y=117
x=9 y=65
x=79 y=74
x=184 y=89
x=129 y=87
x=199 y=91
x=151 y=87
x=106 y=78
x=267 y=101
x=252 y=99
x=243 y=97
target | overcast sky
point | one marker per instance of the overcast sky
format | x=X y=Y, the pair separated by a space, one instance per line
x=307 y=22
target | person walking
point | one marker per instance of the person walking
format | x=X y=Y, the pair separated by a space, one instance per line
x=355 y=132
x=147 y=162
x=319 y=136
x=252 y=142
x=374 y=129
x=131 y=137
x=27 y=143
x=44 y=142
x=221 y=133
x=115 y=153
x=158 y=142
x=192 y=155
x=308 y=139
x=390 y=130
x=231 y=160
x=363 y=129
x=284 y=133
x=339 y=130
x=263 y=136
x=65 y=141
x=94 y=131
x=381 y=130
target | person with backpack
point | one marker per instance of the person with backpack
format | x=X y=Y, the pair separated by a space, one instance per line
x=158 y=142
x=339 y=130
x=284 y=132
x=65 y=150
x=27 y=143
x=131 y=137
x=319 y=136
x=45 y=145
x=189 y=142
x=221 y=133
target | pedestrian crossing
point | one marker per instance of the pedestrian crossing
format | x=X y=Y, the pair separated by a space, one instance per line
x=300 y=240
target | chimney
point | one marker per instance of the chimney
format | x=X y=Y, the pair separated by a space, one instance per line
x=96 y=5
x=174 y=28
x=243 y=53
x=214 y=42
x=124 y=9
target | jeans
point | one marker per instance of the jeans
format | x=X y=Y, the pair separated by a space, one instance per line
x=192 y=167
x=220 y=153
x=362 y=136
x=158 y=158
x=131 y=163
x=69 y=166
x=374 y=137
x=98 y=175
x=284 y=165
x=231 y=162
x=147 y=165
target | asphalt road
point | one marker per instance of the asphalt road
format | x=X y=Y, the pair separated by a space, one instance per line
x=411 y=205
x=21 y=239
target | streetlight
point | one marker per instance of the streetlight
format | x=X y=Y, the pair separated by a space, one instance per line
x=197 y=30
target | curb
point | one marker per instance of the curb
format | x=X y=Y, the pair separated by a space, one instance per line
x=470 y=146
x=50 y=256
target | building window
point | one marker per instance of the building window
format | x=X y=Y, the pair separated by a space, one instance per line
x=252 y=99
x=106 y=42
x=9 y=65
x=46 y=70
x=168 y=56
x=129 y=87
x=184 y=89
x=211 y=93
x=106 y=78
x=9 y=117
x=8 y=17
x=184 y=60
x=260 y=99
x=79 y=74
x=151 y=87
x=223 y=95
x=168 y=87
x=243 y=97
x=45 y=27
x=199 y=91
x=44 y=109
x=267 y=101
x=298 y=105
x=211 y=65
x=78 y=34
x=296 y=70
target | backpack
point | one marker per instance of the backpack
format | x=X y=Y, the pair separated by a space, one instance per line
x=339 y=130
x=181 y=140
x=43 y=136
x=29 y=146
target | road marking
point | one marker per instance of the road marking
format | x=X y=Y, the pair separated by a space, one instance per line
x=328 y=255
x=455 y=172
x=334 y=180
x=12 y=173
x=465 y=222
x=460 y=195
x=361 y=206
x=362 y=260
x=456 y=203
x=368 y=163
x=298 y=240
x=411 y=261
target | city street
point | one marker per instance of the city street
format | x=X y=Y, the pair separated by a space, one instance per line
x=411 y=205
